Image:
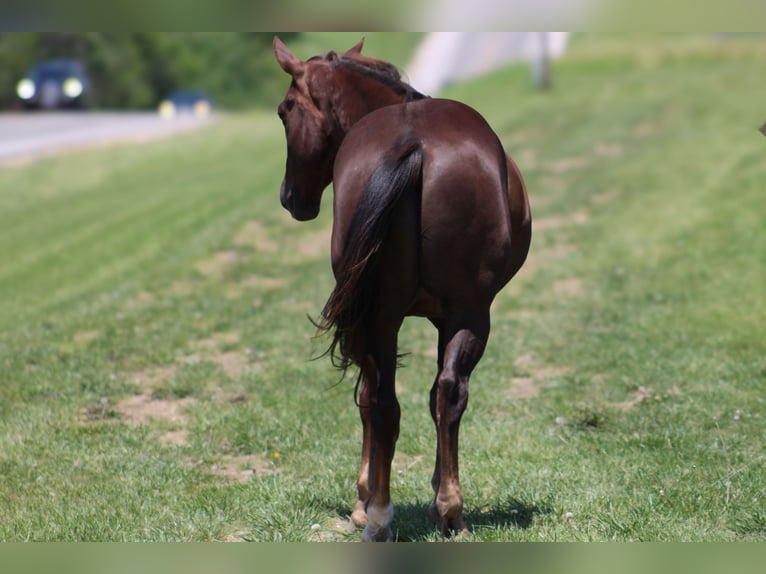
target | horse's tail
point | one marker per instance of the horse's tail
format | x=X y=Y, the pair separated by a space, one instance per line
x=349 y=311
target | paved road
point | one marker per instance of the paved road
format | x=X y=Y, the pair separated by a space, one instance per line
x=25 y=136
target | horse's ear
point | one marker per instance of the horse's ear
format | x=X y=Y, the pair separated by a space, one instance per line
x=357 y=49
x=289 y=62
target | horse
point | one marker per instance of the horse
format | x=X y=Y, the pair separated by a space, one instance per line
x=430 y=218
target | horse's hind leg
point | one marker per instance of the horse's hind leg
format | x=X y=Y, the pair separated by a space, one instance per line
x=382 y=425
x=436 y=478
x=463 y=338
x=359 y=516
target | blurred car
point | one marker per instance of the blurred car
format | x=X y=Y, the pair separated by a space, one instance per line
x=186 y=102
x=54 y=84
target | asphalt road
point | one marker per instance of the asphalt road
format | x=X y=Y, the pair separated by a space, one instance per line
x=26 y=136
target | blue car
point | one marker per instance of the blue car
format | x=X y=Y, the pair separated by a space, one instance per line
x=186 y=102
x=54 y=84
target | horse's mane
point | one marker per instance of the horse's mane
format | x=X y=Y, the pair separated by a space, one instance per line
x=378 y=70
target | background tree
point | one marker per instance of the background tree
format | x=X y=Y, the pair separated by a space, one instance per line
x=138 y=69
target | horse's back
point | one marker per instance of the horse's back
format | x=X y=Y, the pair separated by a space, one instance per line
x=463 y=235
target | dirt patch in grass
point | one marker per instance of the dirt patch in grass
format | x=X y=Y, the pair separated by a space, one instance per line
x=142 y=299
x=144 y=407
x=536 y=260
x=218 y=264
x=608 y=149
x=556 y=222
x=147 y=378
x=523 y=135
x=540 y=258
x=151 y=406
x=183 y=288
x=432 y=352
x=549 y=373
x=237 y=290
x=140 y=409
x=237 y=536
x=338 y=530
x=524 y=388
x=571 y=287
x=532 y=377
x=254 y=234
x=311 y=308
x=604 y=197
x=175 y=438
x=527 y=158
x=313 y=245
x=261 y=282
x=641 y=395
x=85 y=337
x=567 y=164
x=242 y=469
x=233 y=363
x=645 y=129
x=218 y=339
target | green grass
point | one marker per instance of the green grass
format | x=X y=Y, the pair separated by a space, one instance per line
x=620 y=398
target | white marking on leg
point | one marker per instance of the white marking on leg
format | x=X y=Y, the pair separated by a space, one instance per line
x=378 y=523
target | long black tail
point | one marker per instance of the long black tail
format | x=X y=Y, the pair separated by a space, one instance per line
x=349 y=311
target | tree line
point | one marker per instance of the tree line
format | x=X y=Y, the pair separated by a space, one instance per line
x=135 y=70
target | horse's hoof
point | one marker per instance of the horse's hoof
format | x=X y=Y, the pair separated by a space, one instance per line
x=450 y=527
x=378 y=527
x=377 y=535
x=461 y=534
x=456 y=531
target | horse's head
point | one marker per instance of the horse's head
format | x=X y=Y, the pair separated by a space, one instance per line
x=312 y=130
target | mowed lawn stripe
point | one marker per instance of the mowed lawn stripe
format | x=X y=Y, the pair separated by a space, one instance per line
x=103 y=234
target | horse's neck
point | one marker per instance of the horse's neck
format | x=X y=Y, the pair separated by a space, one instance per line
x=360 y=98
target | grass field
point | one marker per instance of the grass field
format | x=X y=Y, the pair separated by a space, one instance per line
x=155 y=381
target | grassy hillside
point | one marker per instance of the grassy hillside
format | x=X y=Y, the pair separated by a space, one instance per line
x=155 y=381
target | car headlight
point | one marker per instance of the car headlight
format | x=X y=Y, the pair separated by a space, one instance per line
x=167 y=109
x=26 y=89
x=72 y=88
x=201 y=109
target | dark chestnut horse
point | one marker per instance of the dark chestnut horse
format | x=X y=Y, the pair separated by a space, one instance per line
x=430 y=218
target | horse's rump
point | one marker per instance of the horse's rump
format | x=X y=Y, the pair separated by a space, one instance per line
x=349 y=311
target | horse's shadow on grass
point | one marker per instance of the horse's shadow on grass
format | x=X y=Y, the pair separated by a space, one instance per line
x=412 y=521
